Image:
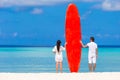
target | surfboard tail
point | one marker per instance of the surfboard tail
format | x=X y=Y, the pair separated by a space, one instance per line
x=74 y=57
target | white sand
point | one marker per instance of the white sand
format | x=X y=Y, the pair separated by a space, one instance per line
x=61 y=76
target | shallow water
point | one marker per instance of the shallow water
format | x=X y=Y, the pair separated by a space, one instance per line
x=41 y=59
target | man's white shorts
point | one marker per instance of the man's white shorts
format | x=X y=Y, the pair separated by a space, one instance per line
x=92 y=59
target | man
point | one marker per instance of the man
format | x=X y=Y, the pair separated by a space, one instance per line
x=92 y=53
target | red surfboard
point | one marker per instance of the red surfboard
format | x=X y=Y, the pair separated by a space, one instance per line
x=73 y=37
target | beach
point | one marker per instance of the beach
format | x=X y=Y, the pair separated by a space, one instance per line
x=61 y=76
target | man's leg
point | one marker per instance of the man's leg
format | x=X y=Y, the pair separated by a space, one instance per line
x=90 y=67
x=94 y=66
x=94 y=63
x=90 y=63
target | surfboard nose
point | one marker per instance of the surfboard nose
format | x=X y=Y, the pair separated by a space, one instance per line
x=72 y=10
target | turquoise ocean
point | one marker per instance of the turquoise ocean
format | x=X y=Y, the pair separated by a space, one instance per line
x=41 y=60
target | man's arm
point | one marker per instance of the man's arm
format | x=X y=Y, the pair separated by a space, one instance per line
x=83 y=44
x=96 y=52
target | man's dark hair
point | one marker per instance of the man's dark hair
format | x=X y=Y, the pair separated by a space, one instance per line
x=92 y=38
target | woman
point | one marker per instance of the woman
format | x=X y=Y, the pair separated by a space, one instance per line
x=58 y=55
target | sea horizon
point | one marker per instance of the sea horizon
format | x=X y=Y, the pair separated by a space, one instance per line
x=50 y=46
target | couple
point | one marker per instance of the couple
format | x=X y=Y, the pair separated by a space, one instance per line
x=92 y=54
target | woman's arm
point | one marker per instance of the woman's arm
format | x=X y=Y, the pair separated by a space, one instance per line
x=54 y=51
x=65 y=45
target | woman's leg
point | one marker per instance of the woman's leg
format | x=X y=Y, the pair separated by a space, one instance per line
x=90 y=67
x=61 y=67
x=56 y=67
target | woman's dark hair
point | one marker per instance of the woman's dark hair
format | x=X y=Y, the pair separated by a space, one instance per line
x=92 y=38
x=58 y=45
